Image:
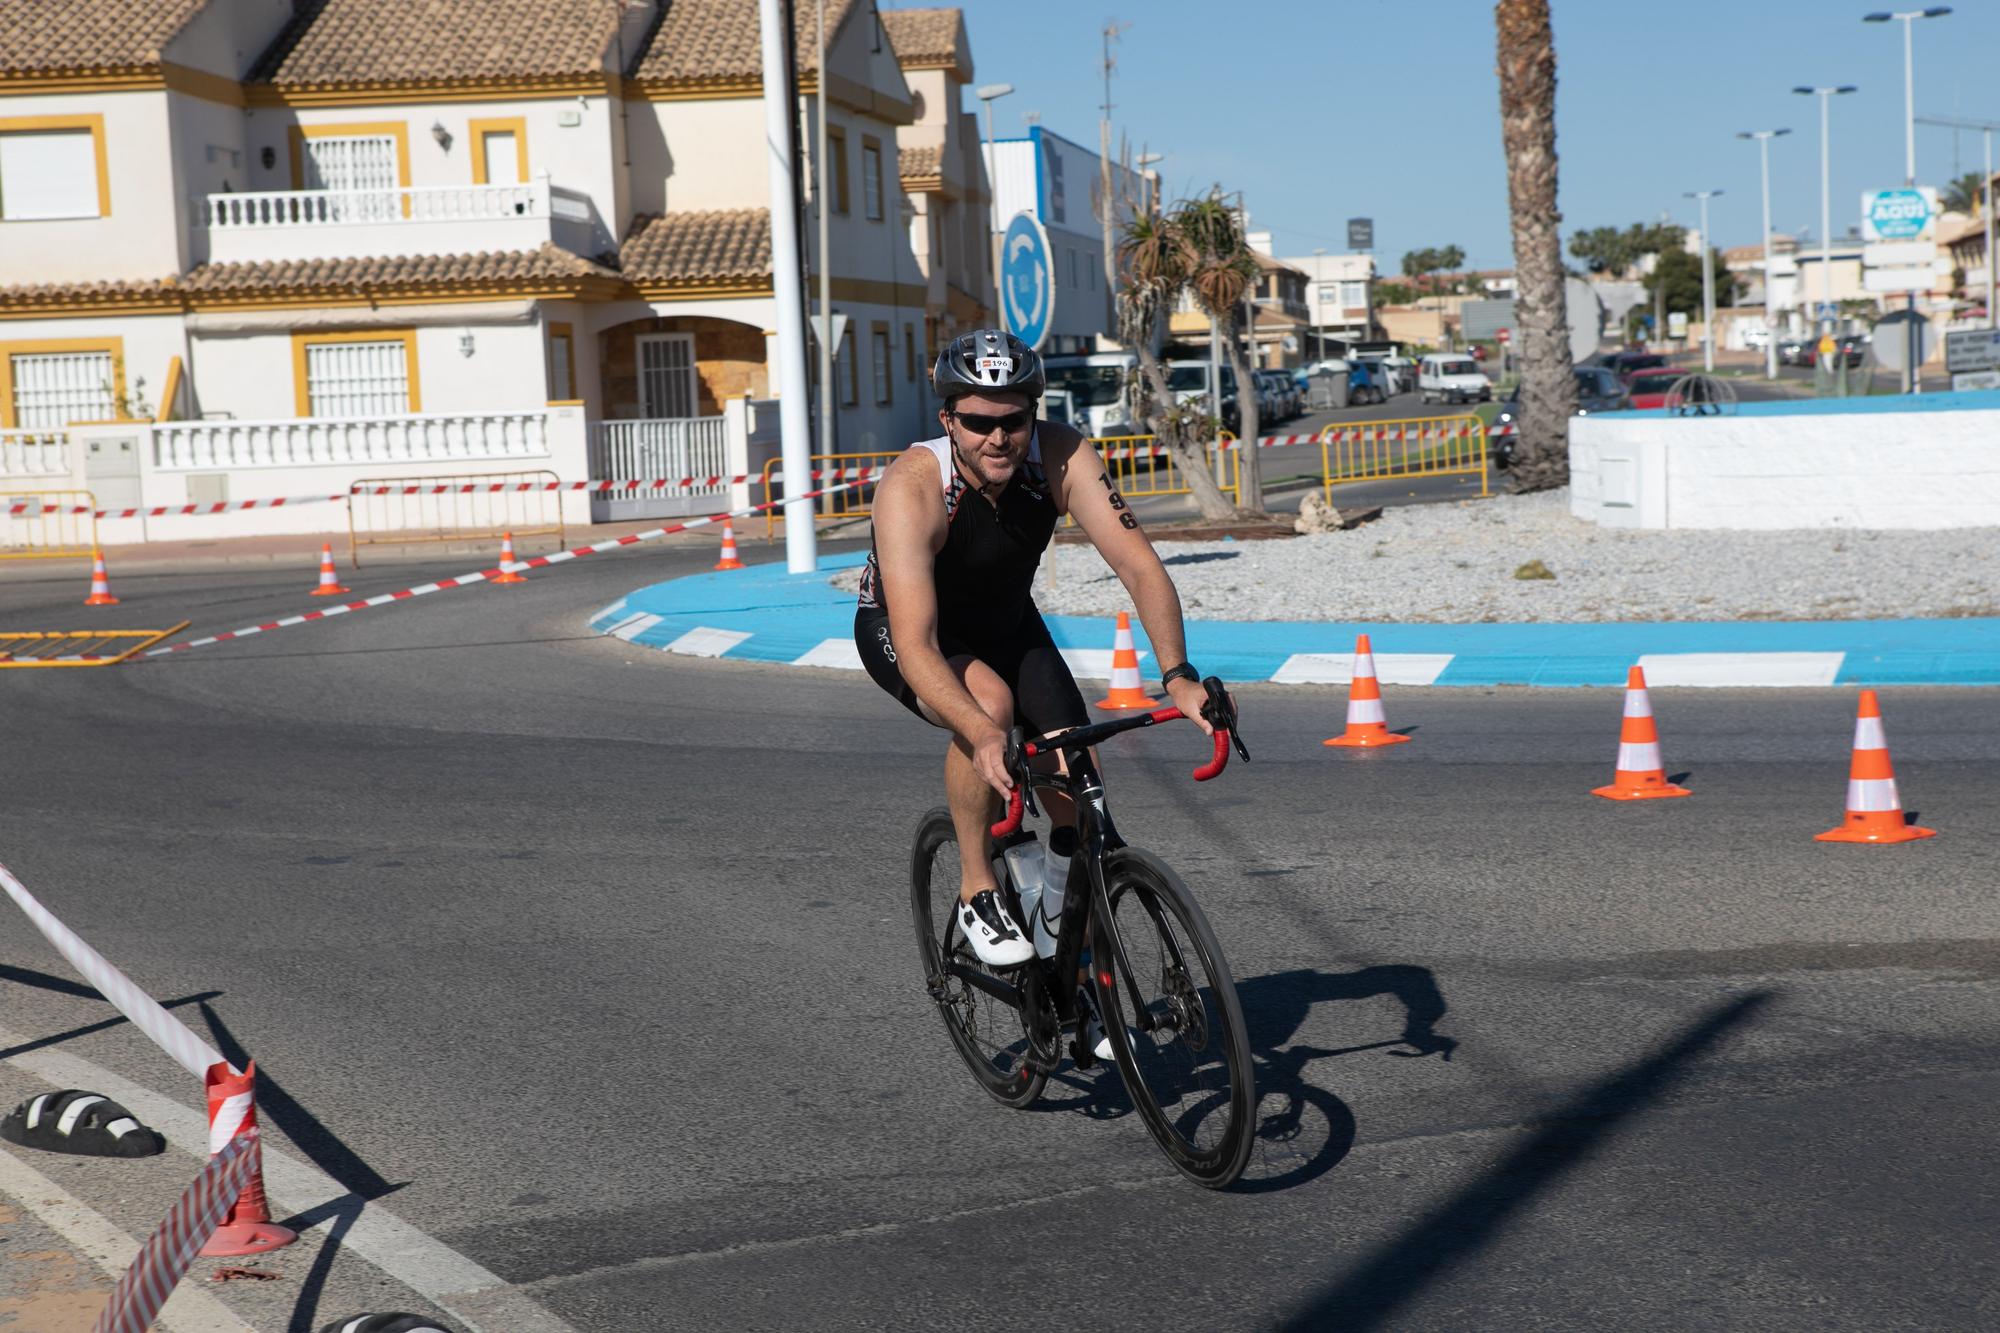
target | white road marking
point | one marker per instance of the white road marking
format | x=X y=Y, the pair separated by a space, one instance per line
x=1093 y=663
x=188 y=1310
x=838 y=653
x=632 y=627
x=1338 y=668
x=706 y=642
x=1717 y=669
x=481 y=1300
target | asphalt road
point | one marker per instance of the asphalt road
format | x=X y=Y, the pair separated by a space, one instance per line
x=603 y=958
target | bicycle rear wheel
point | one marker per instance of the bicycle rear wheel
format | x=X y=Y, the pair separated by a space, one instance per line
x=989 y=1035
x=1189 y=1075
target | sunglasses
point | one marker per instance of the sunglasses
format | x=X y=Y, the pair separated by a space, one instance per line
x=981 y=424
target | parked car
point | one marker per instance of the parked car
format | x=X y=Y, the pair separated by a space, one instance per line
x=1649 y=388
x=1188 y=381
x=1797 y=351
x=1624 y=363
x=1095 y=384
x=1284 y=394
x=1452 y=377
x=1597 y=390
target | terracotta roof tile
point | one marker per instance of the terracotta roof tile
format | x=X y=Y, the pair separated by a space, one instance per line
x=702 y=40
x=549 y=261
x=39 y=36
x=923 y=35
x=366 y=41
x=923 y=160
x=86 y=293
x=722 y=246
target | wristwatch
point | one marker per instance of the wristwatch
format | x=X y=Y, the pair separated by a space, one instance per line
x=1181 y=672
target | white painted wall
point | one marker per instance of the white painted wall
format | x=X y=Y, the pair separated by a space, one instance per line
x=702 y=155
x=131 y=243
x=1861 y=470
x=507 y=368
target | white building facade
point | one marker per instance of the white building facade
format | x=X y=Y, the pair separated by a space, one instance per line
x=248 y=251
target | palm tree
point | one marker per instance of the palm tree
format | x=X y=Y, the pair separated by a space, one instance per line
x=1155 y=258
x=1527 y=58
x=1223 y=270
x=1964 y=194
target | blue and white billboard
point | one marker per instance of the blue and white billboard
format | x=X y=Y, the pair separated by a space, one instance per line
x=1908 y=213
x=1027 y=280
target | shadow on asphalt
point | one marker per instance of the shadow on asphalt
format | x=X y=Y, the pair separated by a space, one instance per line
x=369 y=652
x=1429 y=1248
x=64 y=986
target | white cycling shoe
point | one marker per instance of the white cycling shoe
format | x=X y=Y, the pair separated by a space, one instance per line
x=1094 y=1035
x=991 y=930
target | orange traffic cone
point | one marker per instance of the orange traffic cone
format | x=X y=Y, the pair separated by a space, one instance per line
x=329 y=582
x=1126 y=691
x=729 y=560
x=100 y=582
x=1367 y=725
x=1640 y=774
x=1874 y=814
x=507 y=575
x=247 y=1227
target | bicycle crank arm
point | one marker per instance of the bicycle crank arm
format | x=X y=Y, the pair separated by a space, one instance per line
x=1005 y=992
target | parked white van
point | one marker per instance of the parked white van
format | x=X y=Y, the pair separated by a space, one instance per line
x=1452 y=377
x=1094 y=382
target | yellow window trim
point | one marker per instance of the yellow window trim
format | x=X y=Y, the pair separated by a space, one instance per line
x=396 y=129
x=477 y=129
x=564 y=402
x=94 y=123
x=170 y=390
x=567 y=332
x=302 y=392
x=40 y=346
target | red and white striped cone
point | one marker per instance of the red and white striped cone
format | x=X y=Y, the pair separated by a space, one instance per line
x=1640 y=774
x=329 y=581
x=1874 y=810
x=232 y=1113
x=100 y=582
x=163 y=1260
x=1367 y=723
x=1126 y=691
x=507 y=574
x=729 y=560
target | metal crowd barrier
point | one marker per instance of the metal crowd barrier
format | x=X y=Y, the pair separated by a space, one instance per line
x=438 y=509
x=47 y=525
x=1352 y=451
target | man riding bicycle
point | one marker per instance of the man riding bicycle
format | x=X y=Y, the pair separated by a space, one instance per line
x=946 y=622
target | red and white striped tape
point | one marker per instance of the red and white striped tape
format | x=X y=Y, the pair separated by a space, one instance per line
x=618 y=486
x=163 y=1260
x=481 y=576
x=167 y=1032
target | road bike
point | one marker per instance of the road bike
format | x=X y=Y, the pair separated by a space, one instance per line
x=1128 y=929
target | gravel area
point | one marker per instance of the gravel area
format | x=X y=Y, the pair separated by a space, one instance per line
x=1457 y=563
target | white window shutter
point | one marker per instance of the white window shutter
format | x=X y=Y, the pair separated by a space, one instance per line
x=48 y=175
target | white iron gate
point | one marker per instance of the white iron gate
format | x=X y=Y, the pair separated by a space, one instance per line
x=652 y=450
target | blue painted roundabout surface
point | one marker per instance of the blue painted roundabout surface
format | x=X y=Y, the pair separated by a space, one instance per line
x=764 y=614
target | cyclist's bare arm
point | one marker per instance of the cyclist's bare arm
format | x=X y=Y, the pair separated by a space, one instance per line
x=1083 y=489
x=910 y=528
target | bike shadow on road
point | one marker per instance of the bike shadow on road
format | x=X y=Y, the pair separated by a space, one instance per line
x=1303 y=1130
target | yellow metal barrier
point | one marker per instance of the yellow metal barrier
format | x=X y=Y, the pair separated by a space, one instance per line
x=47 y=525
x=442 y=509
x=77 y=647
x=1351 y=451
x=1138 y=468
x=841 y=504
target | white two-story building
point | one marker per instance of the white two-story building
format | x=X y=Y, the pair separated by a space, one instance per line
x=250 y=248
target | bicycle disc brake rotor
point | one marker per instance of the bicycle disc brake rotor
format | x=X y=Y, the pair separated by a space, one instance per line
x=1187 y=1013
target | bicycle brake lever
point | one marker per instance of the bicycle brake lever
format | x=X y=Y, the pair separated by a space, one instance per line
x=1220 y=712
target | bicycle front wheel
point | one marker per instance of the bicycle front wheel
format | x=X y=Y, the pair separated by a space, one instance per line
x=1175 y=1023
x=989 y=1035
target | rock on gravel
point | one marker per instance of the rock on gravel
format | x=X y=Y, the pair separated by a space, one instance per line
x=1456 y=563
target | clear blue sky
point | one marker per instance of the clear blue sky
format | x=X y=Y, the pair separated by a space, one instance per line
x=1390 y=108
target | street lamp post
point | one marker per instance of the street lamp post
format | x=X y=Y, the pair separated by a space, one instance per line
x=1986 y=128
x=1708 y=281
x=1825 y=96
x=1763 y=138
x=989 y=93
x=1907 y=17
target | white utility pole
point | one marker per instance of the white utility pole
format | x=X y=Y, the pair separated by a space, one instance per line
x=825 y=253
x=1825 y=96
x=1912 y=376
x=1707 y=281
x=1986 y=127
x=1109 y=210
x=990 y=93
x=794 y=420
x=1763 y=138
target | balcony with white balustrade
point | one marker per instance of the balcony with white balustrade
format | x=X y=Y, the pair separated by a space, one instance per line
x=267 y=225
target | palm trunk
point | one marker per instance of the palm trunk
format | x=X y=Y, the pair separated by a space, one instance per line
x=1250 y=485
x=1527 y=59
x=1169 y=429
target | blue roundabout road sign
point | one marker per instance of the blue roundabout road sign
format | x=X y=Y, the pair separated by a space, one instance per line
x=1027 y=280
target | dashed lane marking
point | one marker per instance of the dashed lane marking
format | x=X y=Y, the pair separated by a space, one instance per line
x=1752 y=669
x=701 y=642
x=840 y=654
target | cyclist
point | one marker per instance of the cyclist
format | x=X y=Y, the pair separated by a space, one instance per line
x=946 y=622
